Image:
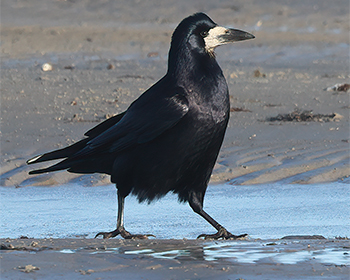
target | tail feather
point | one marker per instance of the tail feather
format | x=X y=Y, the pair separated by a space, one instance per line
x=74 y=162
x=56 y=167
x=83 y=165
x=58 y=154
x=67 y=163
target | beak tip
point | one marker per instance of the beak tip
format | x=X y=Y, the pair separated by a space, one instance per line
x=250 y=36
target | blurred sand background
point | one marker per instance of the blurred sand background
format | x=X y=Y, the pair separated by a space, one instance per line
x=104 y=54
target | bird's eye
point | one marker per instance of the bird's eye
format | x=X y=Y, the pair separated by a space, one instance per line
x=204 y=34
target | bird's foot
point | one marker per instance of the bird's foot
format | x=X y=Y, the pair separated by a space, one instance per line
x=124 y=233
x=222 y=234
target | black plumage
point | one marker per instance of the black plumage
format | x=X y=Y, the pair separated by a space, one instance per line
x=169 y=138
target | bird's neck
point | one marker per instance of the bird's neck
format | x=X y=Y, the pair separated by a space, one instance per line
x=192 y=66
x=201 y=76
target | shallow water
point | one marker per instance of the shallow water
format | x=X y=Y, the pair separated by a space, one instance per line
x=263 y=211
x=249 y=253
x=283 y=252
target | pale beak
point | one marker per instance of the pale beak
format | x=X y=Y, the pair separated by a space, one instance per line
x=219 y=35
x=234 y=35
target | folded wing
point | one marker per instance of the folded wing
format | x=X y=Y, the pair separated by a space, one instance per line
x=146 y=118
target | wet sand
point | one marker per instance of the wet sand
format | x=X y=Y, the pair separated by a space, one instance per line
x=292 y=258
x=63 y=219
x=104 y=55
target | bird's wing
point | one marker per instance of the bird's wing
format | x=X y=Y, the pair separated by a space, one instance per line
x=98 y=129
x=145 y=120
x=76 y=147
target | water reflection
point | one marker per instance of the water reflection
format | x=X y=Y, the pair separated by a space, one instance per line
x=245 y=252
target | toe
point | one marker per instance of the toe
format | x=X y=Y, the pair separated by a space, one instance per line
x=107 y=235
x=101 y=233
x=127 y=235
x=124 y=233
x=238 y=236
x=221 y=234
x=138 y=236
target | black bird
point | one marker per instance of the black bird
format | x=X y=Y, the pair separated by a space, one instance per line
x=169 y=138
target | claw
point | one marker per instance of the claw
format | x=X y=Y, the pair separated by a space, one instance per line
x=107 y=235
x=139 y=236
x=221 y=234
x=124 y=233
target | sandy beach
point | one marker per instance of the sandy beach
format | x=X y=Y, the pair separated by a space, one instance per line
x=103 y=60
x=289 y=121
x=174 y=259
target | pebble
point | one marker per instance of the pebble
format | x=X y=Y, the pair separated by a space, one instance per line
x=46 y=67
x=28 y=268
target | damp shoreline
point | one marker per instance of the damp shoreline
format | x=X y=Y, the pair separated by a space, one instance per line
x=174 y=259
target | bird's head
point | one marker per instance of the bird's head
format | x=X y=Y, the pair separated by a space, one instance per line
x=200 y=33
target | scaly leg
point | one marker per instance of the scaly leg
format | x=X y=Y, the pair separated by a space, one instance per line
x=196 y=203
x=222 y=232
x=120 y=225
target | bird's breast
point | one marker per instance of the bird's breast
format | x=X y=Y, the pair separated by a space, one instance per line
x=212 y=110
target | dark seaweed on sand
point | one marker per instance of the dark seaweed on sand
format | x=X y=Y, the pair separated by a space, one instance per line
x=302 y=116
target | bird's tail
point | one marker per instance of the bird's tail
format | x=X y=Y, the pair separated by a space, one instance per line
x=58 y=154
x=75 y=162
x=56 y=167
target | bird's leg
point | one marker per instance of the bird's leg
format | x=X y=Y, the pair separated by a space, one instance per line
x=222 y=232
x=197 y=206
x=120 y=225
